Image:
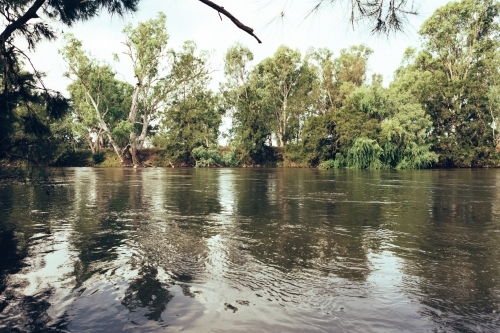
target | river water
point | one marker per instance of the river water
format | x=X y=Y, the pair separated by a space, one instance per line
x=252 y=250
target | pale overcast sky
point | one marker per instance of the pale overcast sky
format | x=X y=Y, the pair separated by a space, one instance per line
x=192 y=20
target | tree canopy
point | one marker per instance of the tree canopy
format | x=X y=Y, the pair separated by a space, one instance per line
x=304 y=109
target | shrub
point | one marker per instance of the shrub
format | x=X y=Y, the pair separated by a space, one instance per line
x=207 y=157
x=98 y=157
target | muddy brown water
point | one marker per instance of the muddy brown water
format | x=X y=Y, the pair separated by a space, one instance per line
x=246 y=250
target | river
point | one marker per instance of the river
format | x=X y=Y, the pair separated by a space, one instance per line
x=251 y=250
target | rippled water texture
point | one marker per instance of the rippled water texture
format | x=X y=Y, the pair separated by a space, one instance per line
x=268 y=250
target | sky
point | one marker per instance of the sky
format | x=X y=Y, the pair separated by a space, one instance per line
x=192 y=20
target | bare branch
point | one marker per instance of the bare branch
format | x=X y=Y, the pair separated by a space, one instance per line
x=12 y=155
x=38 y=75
x=240 y=25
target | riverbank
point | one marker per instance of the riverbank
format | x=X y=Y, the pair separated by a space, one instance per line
x=157 y=157
x=154 y=157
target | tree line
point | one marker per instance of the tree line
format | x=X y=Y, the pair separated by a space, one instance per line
x=314 y=109
x=441 y=109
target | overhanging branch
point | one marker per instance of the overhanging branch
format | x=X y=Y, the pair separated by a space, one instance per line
x=21 y=21
x=237 y=22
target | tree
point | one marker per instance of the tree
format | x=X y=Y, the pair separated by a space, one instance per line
x=146 y=48
x=244 y=100
x=347 y=107
x=384 y=16
x=116 y=95
x=27 y=119
x=383 y=128
x=286 y=81
x=95 y=86
x=332 y=126
x=92 y=90
x=319 y=141
x=406 y=141
x=156 y=85
x=363 y=125
x=361 y=115
x=454 y=78
x=194 y=114
x=24 y=99
x=338 y=77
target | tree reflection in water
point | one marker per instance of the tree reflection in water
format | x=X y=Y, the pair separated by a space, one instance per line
x=292 y=250
x=147 y=292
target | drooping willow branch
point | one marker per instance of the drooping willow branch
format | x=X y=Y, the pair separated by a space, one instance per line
x=230 y=16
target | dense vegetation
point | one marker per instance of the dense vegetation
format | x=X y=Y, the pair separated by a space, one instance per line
x=313 y=109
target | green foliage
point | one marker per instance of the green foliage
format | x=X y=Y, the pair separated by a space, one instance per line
x=364 y=154
x=194 y=112
x=318 y=141
x=323 y=110
x=361 y=114
x=214 y=156
x=74 y=158
x=328 y=164
x=207 y=157
x=284 y=83
x=452 y=78
x=269 y=100
x=30 y=134
x=230 y=158
x=109 y=112
x=121 y=131
x=191 y=121
x=98 y=157
x=244 y=98
x=338 y=77
x=441 y=109
x=405 y=135
x=339 y=162
x=29 y=112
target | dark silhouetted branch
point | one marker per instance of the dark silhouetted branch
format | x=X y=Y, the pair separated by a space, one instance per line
x=240 y=25
x=21 y=21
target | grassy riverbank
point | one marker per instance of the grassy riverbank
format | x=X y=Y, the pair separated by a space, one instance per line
x=154 y=157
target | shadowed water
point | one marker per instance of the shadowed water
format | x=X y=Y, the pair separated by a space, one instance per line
x=240 y=250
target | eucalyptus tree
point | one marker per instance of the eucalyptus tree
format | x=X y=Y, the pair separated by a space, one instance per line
x=287 y=81
x=154 y=71
x=92 y=93
x=194 y=113
x=98 y=128
x=243 y=98
x=455 y=78
x=146 y=47
x=494 y=109
x=336 y=79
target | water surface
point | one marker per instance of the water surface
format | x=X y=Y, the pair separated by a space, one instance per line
x=246 y=250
